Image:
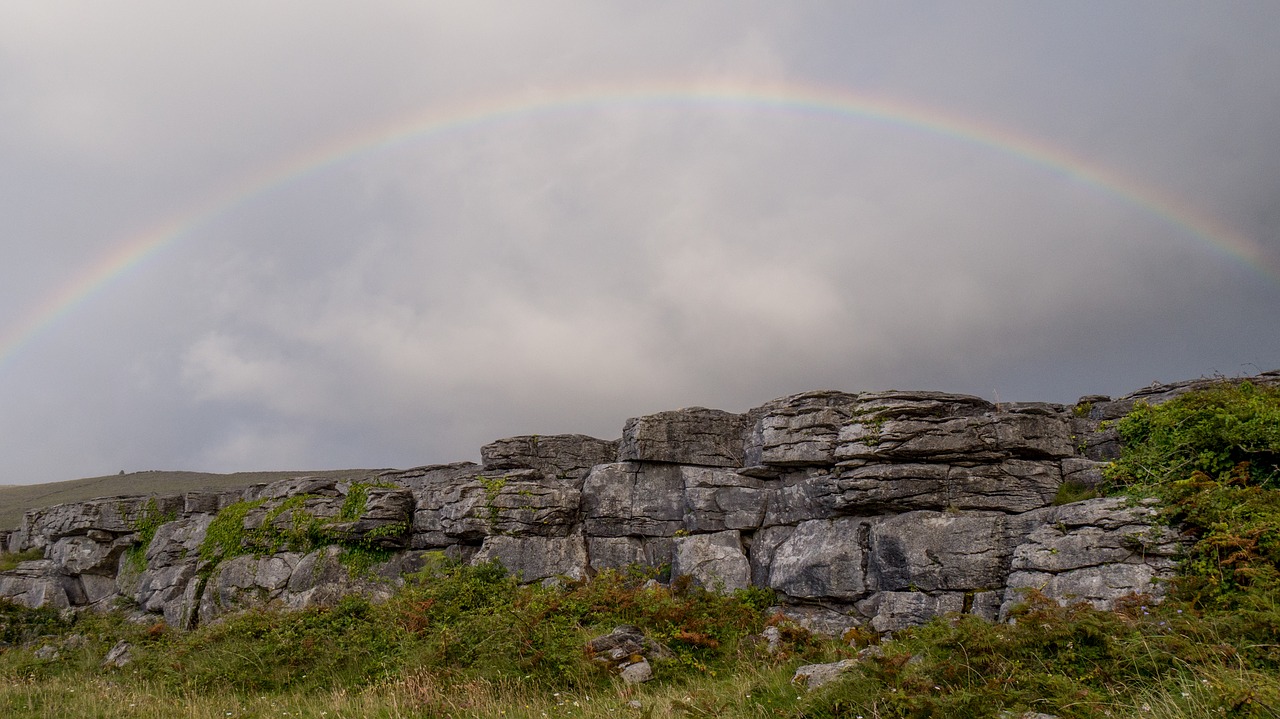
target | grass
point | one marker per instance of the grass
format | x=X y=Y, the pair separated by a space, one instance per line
x=12 y=560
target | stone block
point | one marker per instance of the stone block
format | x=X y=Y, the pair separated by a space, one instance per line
x=822 y=559
x=895 y=611
x=563 y=456
x=533 y=559
x=717 y=499
x=938 y=551
x=633 y=499
x=714 y=561
x=707 y=437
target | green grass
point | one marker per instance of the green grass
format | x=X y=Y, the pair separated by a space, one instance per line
x=11 y=560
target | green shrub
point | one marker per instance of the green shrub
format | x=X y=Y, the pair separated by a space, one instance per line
x=1213 y=458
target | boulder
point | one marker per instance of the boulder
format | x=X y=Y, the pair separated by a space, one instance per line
x=718 y=499
x=714 y=561
x=700 y=436
x=894 y=611
x=35 y=583
x=562 y=456
x=633 y=499
x=80 y=554
x=812 y=676
x=533 y=559
x=938 y=551
x=822 y=559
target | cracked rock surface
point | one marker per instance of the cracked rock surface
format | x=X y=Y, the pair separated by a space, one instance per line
x=871 y=509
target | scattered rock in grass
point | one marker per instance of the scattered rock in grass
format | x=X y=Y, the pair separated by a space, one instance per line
x=120 y=655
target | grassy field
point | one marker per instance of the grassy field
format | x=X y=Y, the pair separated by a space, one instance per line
x=16 y=499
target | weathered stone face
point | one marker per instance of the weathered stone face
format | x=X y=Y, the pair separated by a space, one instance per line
x=516 y=502
x=822 y=558
x=534 y=559
x=797 y=431
x=558 y=456
x=719 y=499
x=633 y=499
x=938 y=551
x=697 y=436
x=1096 y=551
x=884 y=509
x=715 y=561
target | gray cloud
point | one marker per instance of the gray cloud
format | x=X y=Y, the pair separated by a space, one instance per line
x=562 y=269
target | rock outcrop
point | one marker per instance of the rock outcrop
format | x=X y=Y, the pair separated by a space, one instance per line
x=880 y=509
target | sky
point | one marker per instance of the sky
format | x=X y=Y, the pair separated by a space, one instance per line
x=309 y=235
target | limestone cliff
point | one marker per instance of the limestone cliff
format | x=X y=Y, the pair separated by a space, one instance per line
x=885 y=507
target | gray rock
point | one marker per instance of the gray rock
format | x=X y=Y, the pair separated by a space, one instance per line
x=633 y=499
x=812 y=676
x=938 y=551
x=625 y=649
x=986 y=604
x=700 y=436
x=385 y=522
x=34 y=584
x=764 y=546
x=113 y=515
x=822 y=559
x=430 y=475
x=799 y=430
x=532 y=559
x=990 y=437
x=817 y=619
x=82 y=555
x=797 y=496
x=714 y=561
x=637 y=673
x=1097 y=550
x=717 y=499
x=1083 y=472
x=563 y=456
x=120 y=656
x=96 y=589
x=894 y=611
x=622 y=552
x=47 y=653
x=1012 y=485
x=518 y=502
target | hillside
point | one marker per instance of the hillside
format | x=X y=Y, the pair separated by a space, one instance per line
x=16 y=499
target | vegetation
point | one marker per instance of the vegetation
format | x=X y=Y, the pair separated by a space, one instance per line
x=12 y=560
x=1213 y=458
x=289 y=526
x=462 y=641
x=145 y=525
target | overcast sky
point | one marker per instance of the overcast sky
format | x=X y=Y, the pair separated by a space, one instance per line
x=606 y=210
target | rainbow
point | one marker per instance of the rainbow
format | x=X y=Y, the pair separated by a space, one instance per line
x=136 y=249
